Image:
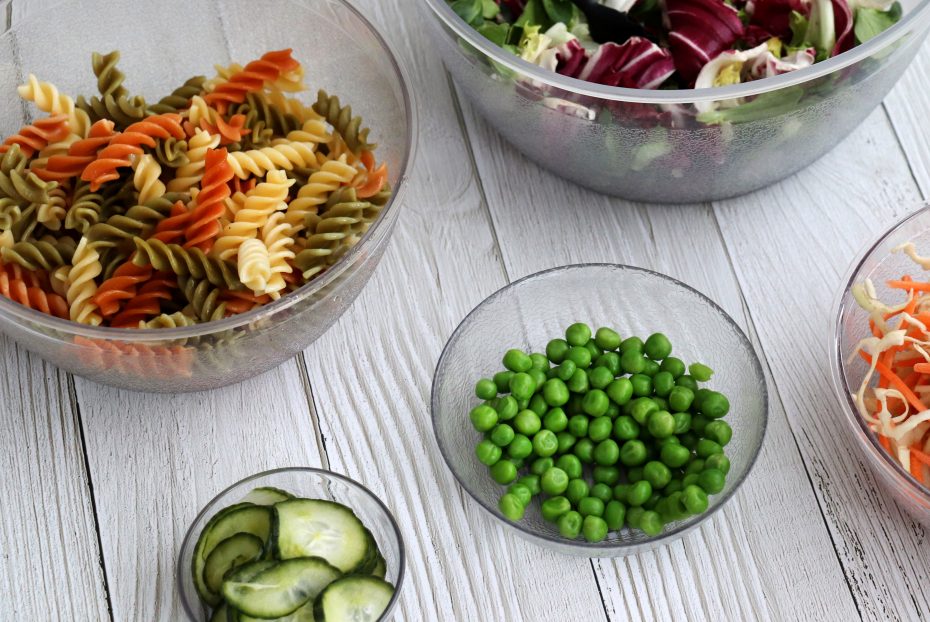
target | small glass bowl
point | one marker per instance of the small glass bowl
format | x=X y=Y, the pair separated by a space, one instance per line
x=313 y=484
x=528 y=313
x=876 y=262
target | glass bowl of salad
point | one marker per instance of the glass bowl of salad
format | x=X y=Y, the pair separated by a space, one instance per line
x=882 y=319
x=676 y=100
x=612 y=473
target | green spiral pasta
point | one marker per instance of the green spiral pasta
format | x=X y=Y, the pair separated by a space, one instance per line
x=172 y=153
x=10 y=212
x=119 y=196
x=110 y=259
x=173 y=320
x=20 y=185
x=26 y=224
x=204 y=298
x=109 y=78
x=86 y=208
x=40 y=254
x=181 y=261
x=180 y=98
x=122 y=110
x=340 y=117
x=140 y=220
x=257 y=108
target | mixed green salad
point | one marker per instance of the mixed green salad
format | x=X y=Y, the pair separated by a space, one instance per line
x=677 y=44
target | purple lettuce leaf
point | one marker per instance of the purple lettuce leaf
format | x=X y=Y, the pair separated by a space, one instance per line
x=637 y=64
x=698 y=31
x=773 y=16
x=843 y=21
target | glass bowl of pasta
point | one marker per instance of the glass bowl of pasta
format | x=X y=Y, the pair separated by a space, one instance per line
x=774 y=92
x=198 y=209
x=880 y=357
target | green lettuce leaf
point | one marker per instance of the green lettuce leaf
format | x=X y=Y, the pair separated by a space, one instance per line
x=872 y=22
x=469 y=10
x=534 y=14
x=559 y=11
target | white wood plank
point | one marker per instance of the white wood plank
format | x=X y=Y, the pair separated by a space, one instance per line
x=791 y=244
x=371 y=379
x=736 y=565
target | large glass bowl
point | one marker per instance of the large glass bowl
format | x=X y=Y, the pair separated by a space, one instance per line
x=644 y=145
x=879 y=264
x=341 y=51
x=312 y=484
x=531 y=311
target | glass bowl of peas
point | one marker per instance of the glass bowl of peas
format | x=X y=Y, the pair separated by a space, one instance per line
x=599 y=409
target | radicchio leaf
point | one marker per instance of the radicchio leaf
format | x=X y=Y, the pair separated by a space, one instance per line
x=774 y=15
x=698 y=31
x=572 y=58
x=843 y=20
x=637 y=64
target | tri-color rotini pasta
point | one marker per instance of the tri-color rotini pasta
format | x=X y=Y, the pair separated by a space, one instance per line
x=222 y=196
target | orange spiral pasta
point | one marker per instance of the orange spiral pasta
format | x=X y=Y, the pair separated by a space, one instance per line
x=80 y=154
x=119 y=287
x=252 y=78
x=37 y=136
x=171 y=229
x=372 y=181
x=211 y=201
x=230 y=131
x=123 y=145
x=242 y=301
x=147 y=303
x=24 y=288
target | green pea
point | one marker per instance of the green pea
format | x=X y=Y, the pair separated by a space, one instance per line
x=566 y=370
x=614 y=515
x=682 y=422
x=584 y=449
x=485 y=389
x=538 y=405
x=594 y=529
x=687 y=382
x=690 y=479
x=719 y=431
x=633 y=516
x=522 y=386
x=566 y=442
x=502 y=435
x=602 y=492
x=642 y=408
x=625 y=428
x=660 y=424
x=673 y=508
x=521 y=492
x=607 y=338
x=556 y=350
x=600 y=377
x=545 y=443
x=632 y=362
x=657 y=347
x=633 y=453
x=699 y=423
x=483 y=417
x=540 y=465
x=570 y=524
x=650 y=368
x=506 y=407
x=607 y=453
x=663 y=383
x=554 y=508
x=552 y=372
x=600 y=428
x=573 y=407
x=718 y=462
x=699 y=396
x=715 y=405
x=517 y=361
x=613 y=411
x=679 y=400
x=635 y=474
x=675 y=456
x=504 y=472
x=593 y=348
x=620 y=391
x=555 y=392
x=657 y=474
x=688 y=439
x=520 y=447
x=668 y=440
x=591 y=506
x=653 y=500
x=531 y=482
x=673 y=486
x=676 y=367
x=609 y=475
x=706 y=448
x=527 y=422
x=642 y=385
x=502 y=381
x=620 y=492
x=595 y=403
x=712 y=481
x=631 y=343
x=539 y=378
x=577 y=334
x=694 y=499
x=511 y=507
x=555 y=420
x=695 y=466
x=488 y=453
x=577 y=490
x=578 y=383
x=609 y=360
x=554 y=481
x=570 y=464
x=539 y=361
x=700 y=372
x=639 y=493
x=578 y=426
x=650 y=523
x=518 y=462
x=661 y=402
x=580 y=356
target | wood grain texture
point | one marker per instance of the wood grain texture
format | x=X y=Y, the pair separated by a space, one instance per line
x=791 y=245
x=734 y=566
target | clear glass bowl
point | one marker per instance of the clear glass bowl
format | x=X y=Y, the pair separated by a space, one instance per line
x=312 y=484
x=344 y=55
x=641 y=145
x=528 y=313
x=878 y=263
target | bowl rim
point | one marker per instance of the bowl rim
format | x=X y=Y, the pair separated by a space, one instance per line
x=681 y=527
x=380 y=226
x=915 y=17
x=868 y=439
x=184 y=565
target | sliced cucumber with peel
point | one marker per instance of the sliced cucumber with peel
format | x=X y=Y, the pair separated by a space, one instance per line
x=304 y=614
x=380 y=568
x=354 y=598
x=281 y=589
x=228 y=555
x=267 y=495
x=317 y=528
x=221 y=614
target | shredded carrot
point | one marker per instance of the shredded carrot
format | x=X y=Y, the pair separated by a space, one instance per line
x=895 y=380
x=922 y=368
x=909 y=285
x=920 y=456
x=885 y=442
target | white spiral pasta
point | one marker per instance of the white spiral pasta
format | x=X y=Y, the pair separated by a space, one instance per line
x=200 y=110
x=254 y=265
x=191 y=173
x=260 y=203
x=319 y=186
x=312 y=131
x=276 y=238
x=146 y=179
x=58 y=278
x=233 y=205
x=52 y=213
x=223 y=74
x=81 y=285
x=48 y=99
x=284 y=156
x=291 y=105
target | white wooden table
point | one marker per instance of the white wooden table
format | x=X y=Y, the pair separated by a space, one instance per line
x=97 y=486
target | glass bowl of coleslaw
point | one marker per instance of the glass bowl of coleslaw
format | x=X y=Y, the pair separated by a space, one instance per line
x=681 y=145
x=879 y=320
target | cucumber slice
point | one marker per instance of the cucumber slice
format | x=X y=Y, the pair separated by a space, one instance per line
x=231 y=553
x=249 y=571
x=380 y=568
x=371 y=557
x=281 y=589
x=316 y=528
x=355 y=598
x=304 y=614
x=221 y=614
x=267 y=495
x=240 y=518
